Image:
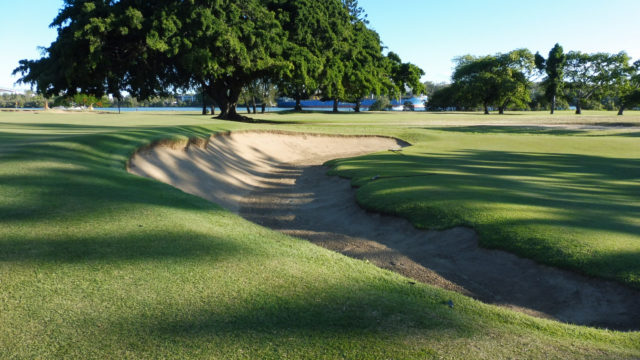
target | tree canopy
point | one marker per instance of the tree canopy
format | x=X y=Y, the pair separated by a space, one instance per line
x=219 y=46
x=404 y=76
x=593 y=74
x=364 y=66
x=627 y=89
x=313 y=30
x=493 y=80
x=599 y=80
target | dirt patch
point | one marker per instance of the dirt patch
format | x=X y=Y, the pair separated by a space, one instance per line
x=277 y=180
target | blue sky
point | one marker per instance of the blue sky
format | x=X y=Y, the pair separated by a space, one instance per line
x=429 y=33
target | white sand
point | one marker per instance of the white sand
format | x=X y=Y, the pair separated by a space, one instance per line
x=232 y=165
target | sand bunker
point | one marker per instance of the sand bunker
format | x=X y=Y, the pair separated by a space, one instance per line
x=277 y=180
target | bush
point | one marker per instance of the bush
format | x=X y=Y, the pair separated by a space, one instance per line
x=382 y=103
x=408 y=106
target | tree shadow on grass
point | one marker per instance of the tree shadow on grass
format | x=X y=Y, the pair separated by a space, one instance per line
x=62 y=142
x=528 y=130
x=118 y=246
x=46 y=215
x=325 y=316
x=61 y=127
x=566 y=193
x=617 y=124
x=627 y=134
x=83 y=177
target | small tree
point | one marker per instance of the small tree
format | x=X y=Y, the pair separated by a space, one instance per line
x=85 y=100
x=444 y=98
x=382 y=103
x=267 y=93
x=553 y=66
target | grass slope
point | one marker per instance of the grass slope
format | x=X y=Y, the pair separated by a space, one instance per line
x=98 y=263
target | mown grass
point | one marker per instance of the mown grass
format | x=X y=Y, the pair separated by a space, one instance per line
x=562 y=197
x=98 y=263
x=347 y=119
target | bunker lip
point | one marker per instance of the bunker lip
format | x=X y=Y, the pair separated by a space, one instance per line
x=277 y=179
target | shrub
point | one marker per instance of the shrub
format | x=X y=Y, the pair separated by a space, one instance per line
x=382 y=103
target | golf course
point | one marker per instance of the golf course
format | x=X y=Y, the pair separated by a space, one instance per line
x=153 y=235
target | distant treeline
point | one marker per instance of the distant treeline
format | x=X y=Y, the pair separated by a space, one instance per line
x=32 y=100
x=519 y=80
x=28 y=100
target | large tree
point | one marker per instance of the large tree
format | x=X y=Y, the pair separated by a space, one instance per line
x=149 y=48
x=514 y=69
x=355 y=67
x=97 y=46
x=338 y=54
x=475 y=80
x=553 y=66
x=404 y=77
x=364 y=65
x=309 y=33
x=222 y=46
x=592 y=75
x=493 y=80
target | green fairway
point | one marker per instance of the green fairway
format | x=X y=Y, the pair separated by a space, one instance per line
x=98 y=263
x=569 y=201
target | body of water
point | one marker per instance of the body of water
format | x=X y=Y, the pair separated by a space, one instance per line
x=241 y=110
x=182 y=109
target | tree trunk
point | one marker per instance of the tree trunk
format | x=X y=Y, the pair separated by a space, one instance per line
x=232 y=112
x=298 y=104
x=621 y=110
x=226 y=97
x=486 y=109
x=264 y=106
x=253 y=104
x=204 y=103
x=578 y=107
x=357 y=108
x=229 y=110
x=501 y=110
x=335 y=105
x=46 y=104
x=225 y=109
x=213 y=109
